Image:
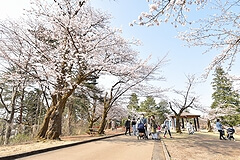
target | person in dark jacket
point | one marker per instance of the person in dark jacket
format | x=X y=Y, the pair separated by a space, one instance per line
x=127 y=126
x=143 y=120
x=134 y=127
x=230 y=132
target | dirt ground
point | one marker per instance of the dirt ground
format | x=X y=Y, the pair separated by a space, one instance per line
x=201 y=146
x=37 y=145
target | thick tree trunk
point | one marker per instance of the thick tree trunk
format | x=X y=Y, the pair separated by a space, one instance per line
x=178 y=127
x=69 y=122
x=52 y=124
x=7 y=133
x=209 y=127
x=103 y=121
x=44 y=127
x=9 y=126
x=92 y=116
x=55 y=124
x=2 y=132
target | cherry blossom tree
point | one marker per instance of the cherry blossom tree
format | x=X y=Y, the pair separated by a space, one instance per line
x=161 y=11
x=62 y=45
x=218 y=32
x=125 y=82
x=189 y=100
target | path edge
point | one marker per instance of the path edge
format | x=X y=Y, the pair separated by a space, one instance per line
x=26 y=154
x=166 y=152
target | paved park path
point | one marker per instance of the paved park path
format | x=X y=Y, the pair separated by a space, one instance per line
x=116 y=148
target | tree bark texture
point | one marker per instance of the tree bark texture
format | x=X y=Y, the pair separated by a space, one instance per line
x=52 y=123
x=92 y=116
x=209 y=127
x=70 y=114
x=55 y=123
x=7 y=133
x=51 y=127
x=103 y=121
x=178 y=127
x=44 y=127
x=9 y=121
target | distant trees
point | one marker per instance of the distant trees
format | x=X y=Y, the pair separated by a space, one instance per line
x=150 y=107
x=162 y=109
x=148 y=104
x=133 y=102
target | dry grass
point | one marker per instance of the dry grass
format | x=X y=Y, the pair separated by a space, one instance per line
x=201 y=146
x=36 y=145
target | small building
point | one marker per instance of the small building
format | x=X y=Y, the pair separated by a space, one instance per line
x=186 y=116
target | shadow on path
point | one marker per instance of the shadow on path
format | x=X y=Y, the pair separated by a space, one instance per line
x=21 y=155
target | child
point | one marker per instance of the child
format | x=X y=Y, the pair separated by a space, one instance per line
x=230 y=132
x=191 y=128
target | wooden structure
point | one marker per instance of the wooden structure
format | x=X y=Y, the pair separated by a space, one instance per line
x=186 y=116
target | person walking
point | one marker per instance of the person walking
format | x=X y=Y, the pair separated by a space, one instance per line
x=153 y=128
x=219 y=127
x=134 y=128
x=113 y=124
x=137 y=123
x=167 y=128
x=127 y=126
x=230 y=132
x=149 y=126
x=144 y=121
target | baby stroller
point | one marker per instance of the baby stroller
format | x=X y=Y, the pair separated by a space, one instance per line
x=141 y=131
x=230 y=132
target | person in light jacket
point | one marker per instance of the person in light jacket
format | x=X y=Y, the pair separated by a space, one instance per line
x=219 y=127
x=167 y=128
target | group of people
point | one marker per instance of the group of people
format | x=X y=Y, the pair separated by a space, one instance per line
x=150 y=127
x=230 y=131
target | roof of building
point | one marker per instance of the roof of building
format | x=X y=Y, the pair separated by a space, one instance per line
x=185 y=115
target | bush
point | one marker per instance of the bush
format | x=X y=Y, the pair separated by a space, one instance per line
x=21 y=138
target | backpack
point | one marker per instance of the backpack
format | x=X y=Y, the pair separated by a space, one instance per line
x=140 y=126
